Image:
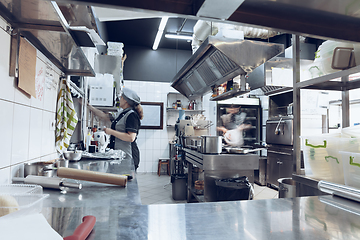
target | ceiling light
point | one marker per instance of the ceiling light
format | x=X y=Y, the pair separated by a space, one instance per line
x=177 y=36
x=160 y=32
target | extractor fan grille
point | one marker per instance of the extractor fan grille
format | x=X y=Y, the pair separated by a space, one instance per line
x=222 y=63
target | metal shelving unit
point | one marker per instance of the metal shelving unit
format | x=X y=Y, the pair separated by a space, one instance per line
x=338 y=81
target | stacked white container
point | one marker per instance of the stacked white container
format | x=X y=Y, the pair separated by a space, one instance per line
x=323 y=159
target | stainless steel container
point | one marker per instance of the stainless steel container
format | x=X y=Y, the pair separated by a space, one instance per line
x=287 y=188
x=39 y=169
x=211 y=144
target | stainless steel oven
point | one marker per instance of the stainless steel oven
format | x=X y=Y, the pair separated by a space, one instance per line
x=279 y=139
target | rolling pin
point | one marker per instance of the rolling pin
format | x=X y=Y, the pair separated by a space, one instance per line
x=92 y=176
x=48 y=182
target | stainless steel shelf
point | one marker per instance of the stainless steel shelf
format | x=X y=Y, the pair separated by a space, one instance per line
x=327 y=82
x=229 y=94
x=199 y=198
x=186 y=110
x=45 y=24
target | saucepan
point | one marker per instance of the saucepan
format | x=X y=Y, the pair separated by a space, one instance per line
x=39 y=168
x=211 y=144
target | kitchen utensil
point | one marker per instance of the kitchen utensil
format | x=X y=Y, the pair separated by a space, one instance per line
x=39 y=169
x=242 y=150
x=189 y=130
x=73 y=155
x=101 y=137
x=62 y=163
x=84 y=229
x=48 y=182
x=92 y=176
x=211 y=144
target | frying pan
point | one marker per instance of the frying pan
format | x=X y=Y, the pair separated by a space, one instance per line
x=242 y=150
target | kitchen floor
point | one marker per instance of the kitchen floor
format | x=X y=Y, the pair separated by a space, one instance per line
x=158 y=190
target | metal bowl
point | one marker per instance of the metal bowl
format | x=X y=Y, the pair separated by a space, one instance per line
x=73 y=156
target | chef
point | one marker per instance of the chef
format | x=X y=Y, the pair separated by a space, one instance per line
x=125 y=125
x=232 y=126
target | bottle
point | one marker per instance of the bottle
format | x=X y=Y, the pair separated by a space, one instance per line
x=94 y=129
x=88 y=139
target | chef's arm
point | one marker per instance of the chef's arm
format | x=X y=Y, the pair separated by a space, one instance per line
x=100 y=114
x=127 y=137
x=222 y=129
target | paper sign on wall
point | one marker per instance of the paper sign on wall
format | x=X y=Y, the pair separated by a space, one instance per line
x=27 y=67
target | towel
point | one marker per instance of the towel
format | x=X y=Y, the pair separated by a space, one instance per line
x=66 y=117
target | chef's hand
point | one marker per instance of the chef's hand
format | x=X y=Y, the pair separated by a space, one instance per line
x=107 y=130
x=222 y=129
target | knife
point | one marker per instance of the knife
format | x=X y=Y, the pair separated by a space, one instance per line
x=84 y=229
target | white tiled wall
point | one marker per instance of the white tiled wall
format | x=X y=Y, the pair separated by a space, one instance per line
x=154 y=144
x=25 y=121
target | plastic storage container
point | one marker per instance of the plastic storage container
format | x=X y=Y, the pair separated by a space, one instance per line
x=353 y=132
x=233 y=189
x=20 y=189
x=351 y=163
x=27 y=203
x=322 y=157
x=324 y=55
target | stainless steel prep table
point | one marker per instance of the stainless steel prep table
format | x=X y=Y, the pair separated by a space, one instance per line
x=323 y=217
x=59 y=207
x=121 y=216
x=218 y=166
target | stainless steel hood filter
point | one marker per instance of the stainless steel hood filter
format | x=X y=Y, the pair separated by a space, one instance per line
x=220 y=59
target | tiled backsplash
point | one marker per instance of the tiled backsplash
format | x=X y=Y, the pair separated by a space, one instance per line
x=27 y=134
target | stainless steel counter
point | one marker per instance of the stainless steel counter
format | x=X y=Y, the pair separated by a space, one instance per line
x=218 y=166
x=64 y=210
x=119 y=214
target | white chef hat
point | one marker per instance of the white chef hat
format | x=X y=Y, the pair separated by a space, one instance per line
x=130 y=96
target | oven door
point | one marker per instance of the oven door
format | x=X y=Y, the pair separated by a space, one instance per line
x=279 y=164
x=279 y=131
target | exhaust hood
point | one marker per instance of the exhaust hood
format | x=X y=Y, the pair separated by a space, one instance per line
x=220 y=59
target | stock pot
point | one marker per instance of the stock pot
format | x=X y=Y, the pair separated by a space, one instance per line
x=211 y=144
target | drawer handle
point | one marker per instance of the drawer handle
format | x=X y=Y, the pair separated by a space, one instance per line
x=315 y=146
x=279 y=162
